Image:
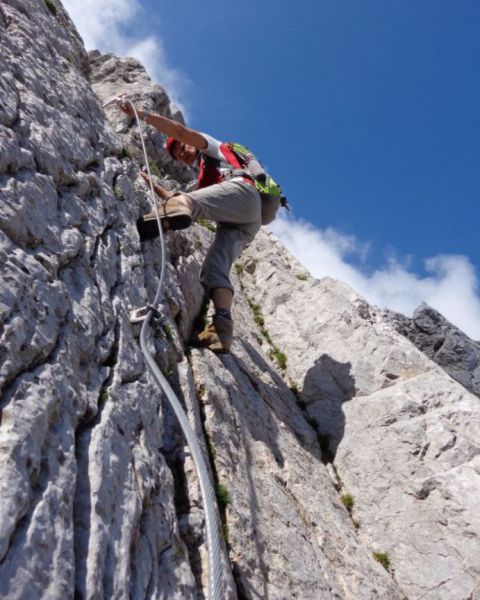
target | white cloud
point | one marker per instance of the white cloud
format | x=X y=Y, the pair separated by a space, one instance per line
x=151 y=53
x=102 y=23
x=451 y=285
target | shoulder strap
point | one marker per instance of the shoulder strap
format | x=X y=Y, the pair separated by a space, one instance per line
x=249 y=162
x=231 y=156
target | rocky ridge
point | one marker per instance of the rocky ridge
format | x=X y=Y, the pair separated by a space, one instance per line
x=444 y=343
x=330 y=435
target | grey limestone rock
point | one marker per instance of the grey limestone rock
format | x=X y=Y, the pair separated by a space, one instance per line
x=401 y=433
x=444 y=343
x=329 y=435
x=86 y=494
x=112 y=75
x=289 y=535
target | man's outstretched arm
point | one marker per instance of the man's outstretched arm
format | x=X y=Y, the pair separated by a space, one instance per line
x=181 y=133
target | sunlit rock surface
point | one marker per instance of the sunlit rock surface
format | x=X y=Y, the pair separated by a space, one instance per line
x=329 y=435
x=402 y=435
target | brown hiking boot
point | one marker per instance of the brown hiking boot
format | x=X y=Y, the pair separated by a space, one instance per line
x=217 y=336
x=174 y=214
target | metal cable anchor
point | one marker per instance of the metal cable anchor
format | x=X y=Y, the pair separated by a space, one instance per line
x=138 y=315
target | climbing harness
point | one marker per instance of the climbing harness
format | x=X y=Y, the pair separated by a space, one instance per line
x=144 y=315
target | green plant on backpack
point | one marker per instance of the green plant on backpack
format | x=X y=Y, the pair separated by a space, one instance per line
x=270 y=191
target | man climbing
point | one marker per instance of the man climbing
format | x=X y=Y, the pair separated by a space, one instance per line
x=227 y=195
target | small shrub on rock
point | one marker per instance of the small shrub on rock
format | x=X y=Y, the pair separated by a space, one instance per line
x=347 y=501
x=223 y=496
x=383 y=559
x=51 y=7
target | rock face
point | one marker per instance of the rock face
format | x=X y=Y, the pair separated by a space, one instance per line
x=401 y=433
x=444 y=343
x=86 y=494
x=109 y=77
x=329 y=434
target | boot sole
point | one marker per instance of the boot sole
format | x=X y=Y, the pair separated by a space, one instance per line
x=148 y=228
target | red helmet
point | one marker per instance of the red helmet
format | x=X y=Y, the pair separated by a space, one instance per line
x=170 y=145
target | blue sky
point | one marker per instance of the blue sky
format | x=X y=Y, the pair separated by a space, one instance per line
x=366 y=111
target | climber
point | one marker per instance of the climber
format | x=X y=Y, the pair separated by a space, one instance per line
x=226 y=195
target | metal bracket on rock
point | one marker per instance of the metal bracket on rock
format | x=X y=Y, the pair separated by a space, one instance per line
x=140 y=314
x=114 y=100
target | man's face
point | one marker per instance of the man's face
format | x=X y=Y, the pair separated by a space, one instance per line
x=185 y=153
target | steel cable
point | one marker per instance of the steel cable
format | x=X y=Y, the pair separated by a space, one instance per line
x=212 y=524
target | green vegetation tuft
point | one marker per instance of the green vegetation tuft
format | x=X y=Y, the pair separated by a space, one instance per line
x=259 y=320
x=181 y=552
x=274 y=353
x=223 y=497
x=257 y=314
x=266 y=335
x=51 y=7
x=278 y=356
x=281 y=359
x=348 y=502
x=302 y=276
x=117 y=190
x=207 y=225
x=154 y=170
x=239 y=268
x=383 y=559
x=126 y=152
x=169 y=332
x=170 y=370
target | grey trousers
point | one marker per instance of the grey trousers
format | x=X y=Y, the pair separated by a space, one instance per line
x=237 y=208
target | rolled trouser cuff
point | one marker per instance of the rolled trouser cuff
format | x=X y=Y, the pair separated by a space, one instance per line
x=212 y=283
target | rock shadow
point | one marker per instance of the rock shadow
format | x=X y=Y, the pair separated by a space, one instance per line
x=326 y=386
x=319 y=398
x=313 y=415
